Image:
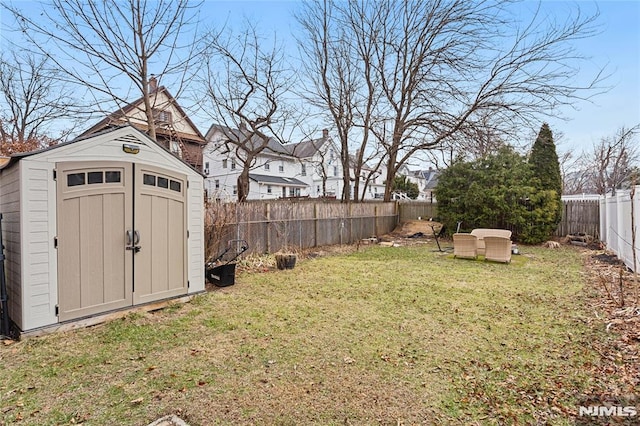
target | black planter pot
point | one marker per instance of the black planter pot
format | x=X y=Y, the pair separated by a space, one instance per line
x=285 y=261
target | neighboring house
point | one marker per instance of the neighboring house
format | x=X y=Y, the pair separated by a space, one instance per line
x=174 y=129
x=431 y=178
x=371 y=183
x=321 y=162
x=320 y=165
x=425 y=179
x=275 y=172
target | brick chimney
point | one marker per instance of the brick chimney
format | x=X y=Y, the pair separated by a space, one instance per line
x=153 y=84
x=325 y=133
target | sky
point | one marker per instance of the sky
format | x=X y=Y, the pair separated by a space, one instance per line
x=616 y=47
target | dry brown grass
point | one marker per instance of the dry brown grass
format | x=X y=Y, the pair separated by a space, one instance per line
x=397 y=335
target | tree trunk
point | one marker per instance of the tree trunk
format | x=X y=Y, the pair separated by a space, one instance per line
x=243 y=184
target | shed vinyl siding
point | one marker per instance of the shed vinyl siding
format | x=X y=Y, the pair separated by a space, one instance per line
x=39 y=271
x=195 y=225
x=28 y=201
x=10 y=208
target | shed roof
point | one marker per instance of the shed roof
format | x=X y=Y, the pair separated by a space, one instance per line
x=121 y=129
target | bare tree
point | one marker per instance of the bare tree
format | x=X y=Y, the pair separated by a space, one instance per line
x=615 y=159
x=32 y=98
x=247 y=87
x=104 y=44
x=607 y=166
x=342 y=77
x=441 y=67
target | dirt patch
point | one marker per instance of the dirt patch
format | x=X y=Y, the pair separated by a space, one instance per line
x=413 y=227
x=616 y=306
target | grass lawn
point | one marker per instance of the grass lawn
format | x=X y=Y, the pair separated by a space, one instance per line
x=386 y=335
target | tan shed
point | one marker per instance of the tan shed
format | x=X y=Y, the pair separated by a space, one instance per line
x=99 y=224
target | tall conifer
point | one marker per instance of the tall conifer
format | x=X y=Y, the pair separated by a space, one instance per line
x=545 y=165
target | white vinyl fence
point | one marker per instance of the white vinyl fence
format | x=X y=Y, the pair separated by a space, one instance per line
x=615 y=225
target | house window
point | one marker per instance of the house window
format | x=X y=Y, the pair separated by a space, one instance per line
x=235 y=189
x=224 y=163
x=175 y=149
x=318 y=189
x=281 y=168
x=292 y=192
x=335 y=171
x=217 y=182
x=162 y=116
x=268 y=189
x=233 y=164
x=304 y=170
x=266 y=166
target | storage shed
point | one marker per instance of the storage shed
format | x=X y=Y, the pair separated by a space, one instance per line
x=99 y=224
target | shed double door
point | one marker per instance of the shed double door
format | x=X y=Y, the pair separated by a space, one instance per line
x=121 y=236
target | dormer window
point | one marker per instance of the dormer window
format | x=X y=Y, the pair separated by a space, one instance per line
x=162 y=116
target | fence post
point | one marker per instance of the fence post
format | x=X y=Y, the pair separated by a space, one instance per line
x=375 y=223
x=268 y=223
x=350 y=223
x=315 y=224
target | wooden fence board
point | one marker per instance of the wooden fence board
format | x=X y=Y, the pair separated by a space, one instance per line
x=270 y=226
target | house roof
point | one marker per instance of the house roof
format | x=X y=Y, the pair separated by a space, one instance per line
x=277 y=180
x=119 y=118
x=431 y=176
x=306 y=149
x=273 y=145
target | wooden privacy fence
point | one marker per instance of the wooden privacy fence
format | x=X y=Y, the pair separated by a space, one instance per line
x=272 y=226
x=412 y=210
x=579 y=216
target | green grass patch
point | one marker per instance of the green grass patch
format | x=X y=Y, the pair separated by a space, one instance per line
x=383 y=335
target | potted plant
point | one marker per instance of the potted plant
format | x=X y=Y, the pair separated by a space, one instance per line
x=285 y=257
x=286 y=260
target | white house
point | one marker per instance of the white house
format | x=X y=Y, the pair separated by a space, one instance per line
x=320 y=164
x=274 y=173
x=311 y=168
